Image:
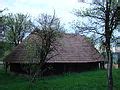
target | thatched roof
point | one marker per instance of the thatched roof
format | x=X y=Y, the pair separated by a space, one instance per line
x=73 y=49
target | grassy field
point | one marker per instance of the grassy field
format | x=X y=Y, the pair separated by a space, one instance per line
x=92 y=80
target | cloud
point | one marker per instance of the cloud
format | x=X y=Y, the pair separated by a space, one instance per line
x=2 y=4
x=63 y=8
x=32 y=6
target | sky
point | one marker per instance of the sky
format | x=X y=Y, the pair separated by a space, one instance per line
x=63 y=8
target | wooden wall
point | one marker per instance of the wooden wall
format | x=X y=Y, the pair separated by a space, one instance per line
x=59 y=68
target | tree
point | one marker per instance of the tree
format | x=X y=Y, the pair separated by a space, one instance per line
x=104 y=18
x=2 y=44
x=16 y=26
x=48 y=32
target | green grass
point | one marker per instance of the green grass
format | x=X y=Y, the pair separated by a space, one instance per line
x=92 y=80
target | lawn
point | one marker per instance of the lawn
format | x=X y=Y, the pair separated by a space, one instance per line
x=92 y=80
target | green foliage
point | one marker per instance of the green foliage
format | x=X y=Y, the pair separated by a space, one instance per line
x=2 y=49
x=16 y=26
x=92 y=80
x=5 y=48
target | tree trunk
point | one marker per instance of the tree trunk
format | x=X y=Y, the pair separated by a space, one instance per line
x=109 y=59
x=109 y=73
x=108 y=51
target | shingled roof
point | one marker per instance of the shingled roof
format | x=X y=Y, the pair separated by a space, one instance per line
x=73 y=49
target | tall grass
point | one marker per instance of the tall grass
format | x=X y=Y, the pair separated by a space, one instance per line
x=91 y=80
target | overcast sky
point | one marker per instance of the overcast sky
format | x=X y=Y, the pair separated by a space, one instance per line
x=63 y=8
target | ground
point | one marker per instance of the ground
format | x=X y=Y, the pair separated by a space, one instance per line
x=91 y=80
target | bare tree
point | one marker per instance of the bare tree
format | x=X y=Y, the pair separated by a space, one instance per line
x=48 y=33
x=104 y=18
